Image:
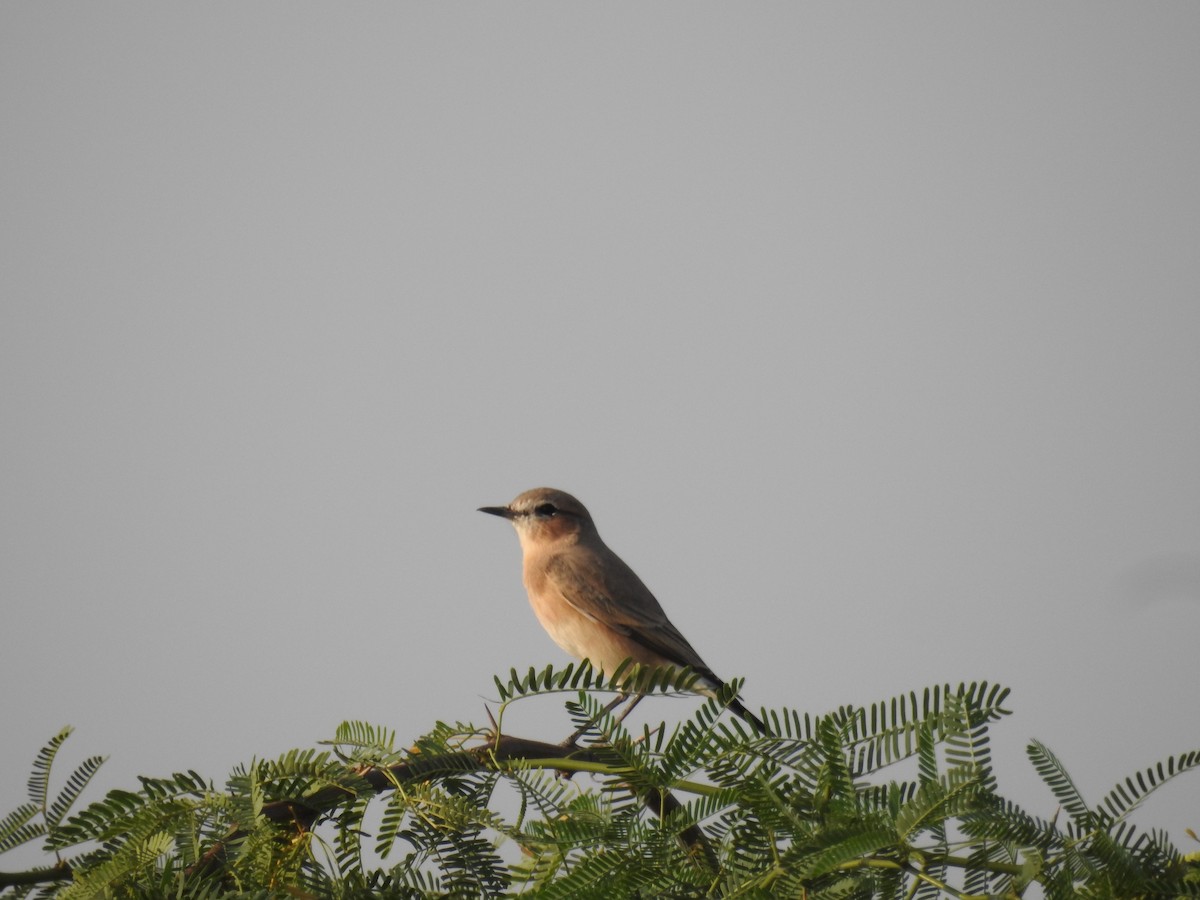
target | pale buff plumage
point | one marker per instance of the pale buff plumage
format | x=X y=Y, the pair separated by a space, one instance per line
x=589 y=601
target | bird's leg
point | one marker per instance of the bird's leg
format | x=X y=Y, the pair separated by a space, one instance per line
x=616 y=701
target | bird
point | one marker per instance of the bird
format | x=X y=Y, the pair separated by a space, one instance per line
x=589 y=601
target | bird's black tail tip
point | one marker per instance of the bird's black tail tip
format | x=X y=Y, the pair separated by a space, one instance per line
x=737 y=708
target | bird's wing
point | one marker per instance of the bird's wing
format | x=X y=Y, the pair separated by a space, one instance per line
x=614 y=596
x=609 y=592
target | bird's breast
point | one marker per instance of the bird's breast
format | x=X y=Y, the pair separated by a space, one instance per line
x=579 y=634
x=551 y=608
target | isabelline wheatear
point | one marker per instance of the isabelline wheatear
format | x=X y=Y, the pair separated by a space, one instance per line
x=591 y=603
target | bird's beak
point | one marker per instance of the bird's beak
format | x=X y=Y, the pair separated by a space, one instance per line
x=502 y=511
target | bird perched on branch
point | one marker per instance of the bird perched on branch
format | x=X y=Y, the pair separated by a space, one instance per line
x=590 y=602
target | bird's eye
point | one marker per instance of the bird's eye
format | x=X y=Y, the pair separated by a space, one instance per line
x=546 y=509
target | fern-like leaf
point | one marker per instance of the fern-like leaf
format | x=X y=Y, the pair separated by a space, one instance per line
x=17 y=828
x=1054 y=774
x=39 y=778
x=132 y=859
x=76 y=782
x=868 y=837
x=934 y=803
x=1127 y=796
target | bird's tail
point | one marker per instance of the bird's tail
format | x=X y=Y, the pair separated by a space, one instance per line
x=717 y=689
x=736 y=707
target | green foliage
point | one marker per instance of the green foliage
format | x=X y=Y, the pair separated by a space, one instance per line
x=703 y=809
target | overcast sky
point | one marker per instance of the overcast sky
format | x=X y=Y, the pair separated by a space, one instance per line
x=868 y=332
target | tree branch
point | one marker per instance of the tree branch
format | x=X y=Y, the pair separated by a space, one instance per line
x=303 y=814
x=58 y=872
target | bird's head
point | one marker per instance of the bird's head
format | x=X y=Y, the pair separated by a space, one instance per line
x=544 y=516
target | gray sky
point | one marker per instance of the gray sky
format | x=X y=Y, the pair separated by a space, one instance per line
x=853 y=324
